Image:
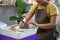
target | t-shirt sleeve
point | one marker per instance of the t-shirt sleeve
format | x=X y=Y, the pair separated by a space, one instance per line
x=53 y=10
x=32 y=9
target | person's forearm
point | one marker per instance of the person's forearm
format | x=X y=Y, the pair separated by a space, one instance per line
x=45 y=26
x=28 y=17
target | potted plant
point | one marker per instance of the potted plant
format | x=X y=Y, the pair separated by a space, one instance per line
x=20 y=8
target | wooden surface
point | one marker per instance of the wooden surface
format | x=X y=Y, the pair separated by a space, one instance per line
x=6 y=5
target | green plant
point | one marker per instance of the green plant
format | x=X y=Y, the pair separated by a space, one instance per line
x=20 y=8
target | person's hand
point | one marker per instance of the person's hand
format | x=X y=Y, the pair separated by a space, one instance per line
x=32 y=22
x=21 y=24
x=12 y=27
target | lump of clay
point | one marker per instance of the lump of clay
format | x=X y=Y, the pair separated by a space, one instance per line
x=25 y=26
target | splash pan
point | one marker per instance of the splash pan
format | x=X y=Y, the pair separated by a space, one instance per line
x=18 y=33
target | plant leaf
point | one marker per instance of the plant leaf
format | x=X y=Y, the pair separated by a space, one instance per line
x=13 y=18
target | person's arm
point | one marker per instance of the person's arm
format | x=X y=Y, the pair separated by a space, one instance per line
x=28 y=17
x=48 y=25
x=30 y=13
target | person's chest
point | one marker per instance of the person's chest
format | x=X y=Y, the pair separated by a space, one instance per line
x=46 y=8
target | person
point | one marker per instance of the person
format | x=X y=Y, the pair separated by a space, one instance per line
x=45 y=19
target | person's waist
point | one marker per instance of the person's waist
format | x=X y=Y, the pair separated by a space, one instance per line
x=44 y=30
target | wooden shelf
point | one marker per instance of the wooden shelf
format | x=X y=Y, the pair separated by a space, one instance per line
x=6 y=5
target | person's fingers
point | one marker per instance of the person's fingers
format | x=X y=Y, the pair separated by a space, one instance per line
x=29 y=23
x=12 y=27
x=34 y=21
x=21 y=24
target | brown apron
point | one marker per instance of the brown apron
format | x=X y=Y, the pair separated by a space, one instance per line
x=42 y=18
